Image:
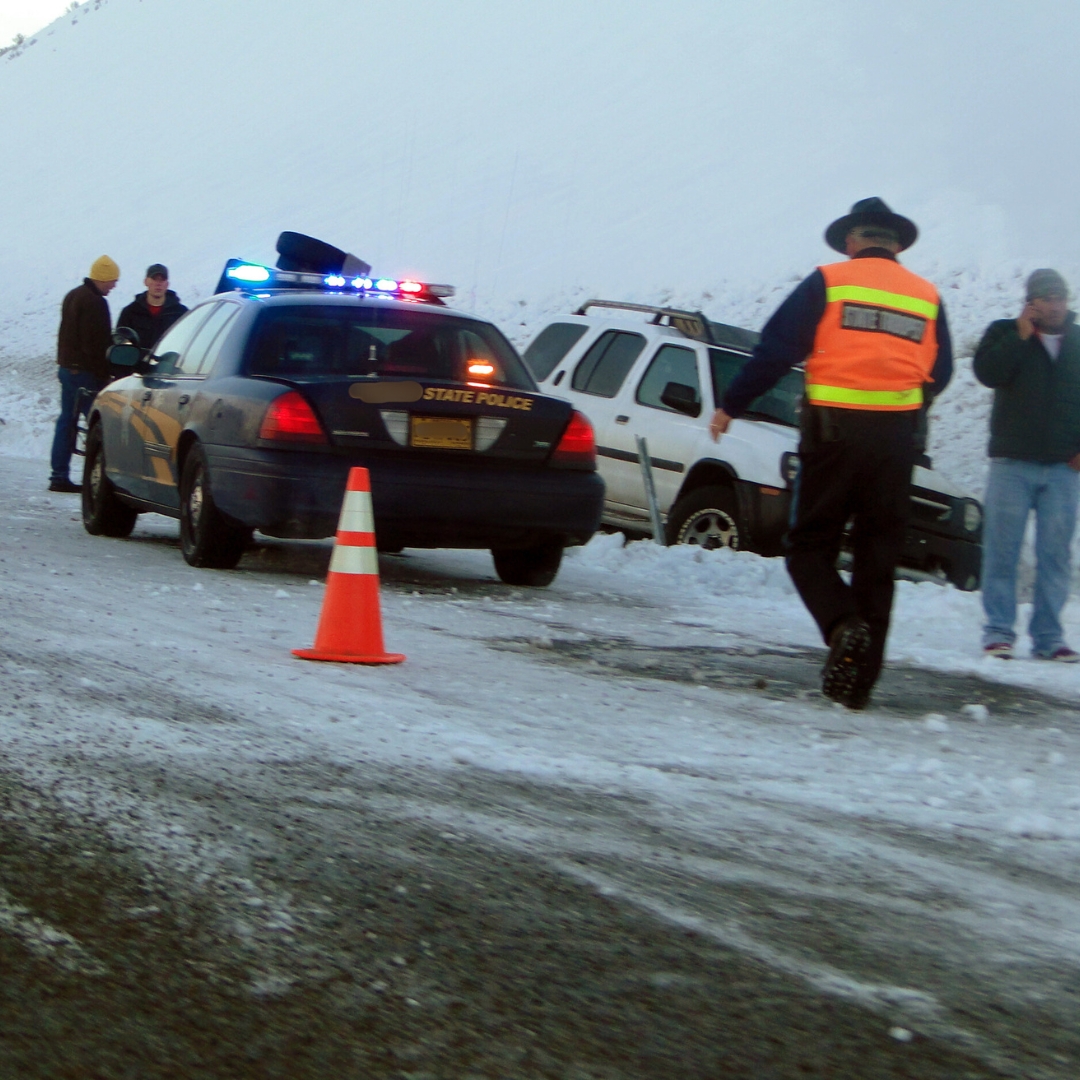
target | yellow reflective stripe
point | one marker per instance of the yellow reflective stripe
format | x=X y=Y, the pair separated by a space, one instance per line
x=846 y=396
x=350 y=559
x=879 y=296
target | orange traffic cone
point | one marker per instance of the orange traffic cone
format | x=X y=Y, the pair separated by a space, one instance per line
x=350 y=626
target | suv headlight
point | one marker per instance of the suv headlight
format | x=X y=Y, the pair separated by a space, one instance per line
x=972 y=515
x=789 y=467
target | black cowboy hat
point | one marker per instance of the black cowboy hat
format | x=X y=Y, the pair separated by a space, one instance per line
x=872 y=211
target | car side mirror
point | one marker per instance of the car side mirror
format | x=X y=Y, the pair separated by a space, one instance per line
x=165 y=364
x=681 y=398
x=124 y=335
x=125 y=355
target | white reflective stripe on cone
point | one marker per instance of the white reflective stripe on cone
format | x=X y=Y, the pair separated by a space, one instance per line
x=356 y=515
x=350 y=559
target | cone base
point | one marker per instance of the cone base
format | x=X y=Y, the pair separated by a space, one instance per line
x=348 y=658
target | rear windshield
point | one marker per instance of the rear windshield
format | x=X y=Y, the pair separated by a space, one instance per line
x=780 y=405
x=311 y=342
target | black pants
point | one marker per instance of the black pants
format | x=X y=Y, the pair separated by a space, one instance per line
x=855 y=466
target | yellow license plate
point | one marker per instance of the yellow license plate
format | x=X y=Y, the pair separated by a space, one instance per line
x=442 y=432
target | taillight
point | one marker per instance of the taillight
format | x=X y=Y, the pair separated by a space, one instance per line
x=577 y=447
x=291 y=419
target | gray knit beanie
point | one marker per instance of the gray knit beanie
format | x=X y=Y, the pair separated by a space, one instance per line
x=1044 y=283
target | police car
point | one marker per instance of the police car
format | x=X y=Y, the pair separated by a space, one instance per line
x=658 y=373
x=252 y=408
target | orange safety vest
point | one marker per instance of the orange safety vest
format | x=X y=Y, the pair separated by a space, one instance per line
x=877 y=341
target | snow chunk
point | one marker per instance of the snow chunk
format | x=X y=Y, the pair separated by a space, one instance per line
x=1035 y=827
x=979 y=713
x=935 y=722
x=901 y=1034
x=1022 y=786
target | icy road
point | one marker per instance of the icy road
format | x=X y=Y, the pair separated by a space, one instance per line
x=605 y=830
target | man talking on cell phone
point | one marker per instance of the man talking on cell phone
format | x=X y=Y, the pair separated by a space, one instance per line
x=1032 y=363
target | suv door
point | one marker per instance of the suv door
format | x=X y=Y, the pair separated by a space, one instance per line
x=600 y=382
x=674 y=438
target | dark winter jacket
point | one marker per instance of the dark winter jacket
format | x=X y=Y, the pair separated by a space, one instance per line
x=1036 y=414
x=137 y=316
x=788 y=339
x=85 y=331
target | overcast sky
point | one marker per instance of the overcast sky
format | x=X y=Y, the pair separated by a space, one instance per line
x=26 y=17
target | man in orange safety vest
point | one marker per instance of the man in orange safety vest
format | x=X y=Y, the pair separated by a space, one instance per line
x=876 y=346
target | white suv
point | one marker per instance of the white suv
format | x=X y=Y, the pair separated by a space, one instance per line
x=660 y=378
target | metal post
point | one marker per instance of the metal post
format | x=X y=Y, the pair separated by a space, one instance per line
x=650 y=491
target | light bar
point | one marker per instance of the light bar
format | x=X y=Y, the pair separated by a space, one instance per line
x=250 y=272
x=243 y=274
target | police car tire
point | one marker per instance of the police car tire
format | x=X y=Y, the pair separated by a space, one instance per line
x=103 y=513
x=534 y=567
x=207 y=539
x=708 y=517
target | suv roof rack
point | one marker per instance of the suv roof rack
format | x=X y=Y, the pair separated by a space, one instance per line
x=694 y=324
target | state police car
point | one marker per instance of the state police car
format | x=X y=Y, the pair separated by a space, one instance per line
x=254 y=406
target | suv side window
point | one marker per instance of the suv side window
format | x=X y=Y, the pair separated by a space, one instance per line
x=671 y=364
x=194 y=360
x=781 y=404
x=552 y=344
x=172 y=346
x=605 y=366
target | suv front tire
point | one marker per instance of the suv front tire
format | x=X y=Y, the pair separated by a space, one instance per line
x=708 y=517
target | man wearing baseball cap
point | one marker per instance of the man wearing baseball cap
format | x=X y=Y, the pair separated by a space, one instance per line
x=151 y=313
x=82 y=344
x=1032 y=363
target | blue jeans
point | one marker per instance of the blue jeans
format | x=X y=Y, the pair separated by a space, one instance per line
x=1016 y=488
x=71 y=382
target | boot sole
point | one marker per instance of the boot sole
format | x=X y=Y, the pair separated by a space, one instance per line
x=844 y=676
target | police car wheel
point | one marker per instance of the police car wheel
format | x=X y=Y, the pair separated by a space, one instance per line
x=103 y=513
x=535 y=566
x=707 y=517
x=206 y=537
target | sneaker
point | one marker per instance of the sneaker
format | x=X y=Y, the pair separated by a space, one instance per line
x=1001 y=650
x=65 y=485
x=1062 y=654
x=844 y=677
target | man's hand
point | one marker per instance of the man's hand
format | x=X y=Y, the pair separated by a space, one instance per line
x=1025 y=325
x=1074 y=462
x=721 y=422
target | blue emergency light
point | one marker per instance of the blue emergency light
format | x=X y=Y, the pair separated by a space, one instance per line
x=240 y=274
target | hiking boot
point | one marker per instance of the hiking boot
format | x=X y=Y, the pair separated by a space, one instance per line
x=1002 y=650
x=846 y=677
x=64 y=485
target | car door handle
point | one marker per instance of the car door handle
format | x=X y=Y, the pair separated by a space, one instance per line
x=622 y=419
x=184 y=399
x=147 y=395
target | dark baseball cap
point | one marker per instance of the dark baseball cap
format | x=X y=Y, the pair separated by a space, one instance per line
x=157 y=268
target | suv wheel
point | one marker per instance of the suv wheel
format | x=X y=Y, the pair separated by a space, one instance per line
x=708 y=517
x=206 y=537
x=535 y=566
x=103 y=513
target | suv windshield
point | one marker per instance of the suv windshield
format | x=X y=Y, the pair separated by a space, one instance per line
x=780 y=405
x=311 y=342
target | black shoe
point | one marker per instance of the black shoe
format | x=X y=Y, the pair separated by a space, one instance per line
x=65 y=485
x=846 y=677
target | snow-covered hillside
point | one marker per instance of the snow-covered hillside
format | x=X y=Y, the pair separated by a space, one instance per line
x=532 y=153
